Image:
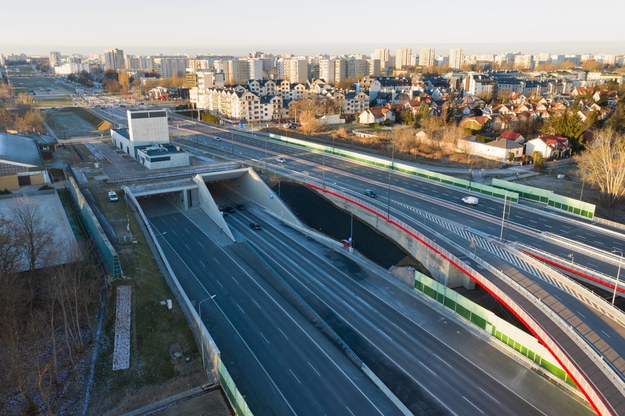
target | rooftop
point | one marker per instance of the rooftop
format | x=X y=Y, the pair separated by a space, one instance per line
x=159 y=150
x=19 y=150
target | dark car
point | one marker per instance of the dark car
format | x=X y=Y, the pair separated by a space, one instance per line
x=504 y=165
x=241 y=207
x=254 y=226
x=370 y=193
x=229 y=210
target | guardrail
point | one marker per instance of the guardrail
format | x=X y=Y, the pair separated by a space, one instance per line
x=173 y=174
x=592 y=392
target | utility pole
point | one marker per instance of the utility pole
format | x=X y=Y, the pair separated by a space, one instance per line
x=388 y=208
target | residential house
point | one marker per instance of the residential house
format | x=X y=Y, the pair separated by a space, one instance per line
x=377 y=115
x=512 y=136
x=550 y=147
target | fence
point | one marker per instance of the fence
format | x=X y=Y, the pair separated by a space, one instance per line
x=105 y=249
x=548 y=197
x=402 y=167
x=490 y=323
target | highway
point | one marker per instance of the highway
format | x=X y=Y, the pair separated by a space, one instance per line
x=604 y=335
x=280 y=362
x=388 y=330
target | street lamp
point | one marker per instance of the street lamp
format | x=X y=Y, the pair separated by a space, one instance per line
x=572 y=257
x=618 y=274
x=388 y=208
x=503 y=214
x=199 y=308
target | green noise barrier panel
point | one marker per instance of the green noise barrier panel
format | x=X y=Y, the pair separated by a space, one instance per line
x=508 y=334
x=401 y=167
x=548 y=197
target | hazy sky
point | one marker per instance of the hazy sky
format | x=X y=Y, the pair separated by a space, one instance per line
x=321 y=26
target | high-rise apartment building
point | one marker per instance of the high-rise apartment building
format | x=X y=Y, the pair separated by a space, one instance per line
x=326 y=69
x=114 y=59
x=295 y=69
x=456 y=58
x=357 y=68
x=403 y=58
x=55 y=58
x=255 y=68
x=174 y=66
x=374 y=67
x=426 y=57
x=384 y=56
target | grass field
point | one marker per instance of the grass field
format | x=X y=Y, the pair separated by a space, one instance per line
x=155 y=330
x=47 y=91
x=73 y=122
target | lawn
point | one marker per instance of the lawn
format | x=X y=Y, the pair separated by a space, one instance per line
x=155 y=330
x=73 y=122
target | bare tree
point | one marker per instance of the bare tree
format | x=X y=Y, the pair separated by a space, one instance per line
x=603 y=164
x=35 y=239
x=10 y=253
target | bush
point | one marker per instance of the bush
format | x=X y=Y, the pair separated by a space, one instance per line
x=5 y=192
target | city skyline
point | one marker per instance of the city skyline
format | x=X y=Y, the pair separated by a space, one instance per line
x=284 y=28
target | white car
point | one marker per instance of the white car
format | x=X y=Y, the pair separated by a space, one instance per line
x=470 y=200
x=217 y=139
x=280 y=159
x=113 y=196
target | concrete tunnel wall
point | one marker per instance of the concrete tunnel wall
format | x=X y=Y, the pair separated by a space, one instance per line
x=209 y=206
x=441 y=270
x=252 y=187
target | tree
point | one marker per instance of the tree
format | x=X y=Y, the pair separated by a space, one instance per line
x=10 y=253
x=537 y=158
x=617 y=119
x=35 y=239
x=603 y=164
x=569 y=125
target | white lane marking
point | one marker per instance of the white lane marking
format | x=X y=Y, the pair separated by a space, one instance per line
x=201 y=245
x=471 y=403
x=314 y=369
x=350 y=410
x=295 y=376
x=256 y=303
x=606 y=334
x=219 y=283
x=581 y=314
x=188 y=248
x=484 y=391
x=216 y=261
x=429 y=369
x=264 y=337
x=282 y=332
x=442 y=361
x=241 y=309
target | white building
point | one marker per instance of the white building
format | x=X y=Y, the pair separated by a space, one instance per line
x=71 y=68
x=173 y=66
x=326 y=69
x=295 y=69
x=523 y=61
x=403 y=58
x=426 y=57
x=456 y=58
x=147 y=140
x=255 y=69
x=114 y=59
x=55 y=58
x=384 y=56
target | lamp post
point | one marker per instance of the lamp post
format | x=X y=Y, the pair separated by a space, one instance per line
x=572 y=257
x=388 y=208
x=618 y=274
x=503 y=214
x=199 y=308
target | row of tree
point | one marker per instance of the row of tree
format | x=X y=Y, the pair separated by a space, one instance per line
x=47 y=315
x=19 y=113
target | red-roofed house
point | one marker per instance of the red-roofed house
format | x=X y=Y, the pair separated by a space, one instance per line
x=476 y=123
x=376 y=115
x=513 y=136
x=551 y=147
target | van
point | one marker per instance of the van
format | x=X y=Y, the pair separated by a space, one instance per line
x=470 y=200
x=113 y=196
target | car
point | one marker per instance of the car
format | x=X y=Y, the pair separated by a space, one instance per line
x=241 y=207
x=113 y=196
x=229 y=210
x=504 y=165
x=370 y=193
x=470 y=200
x=254 y=226
x=217 y=139
x=292 y=126
x=280 y=159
